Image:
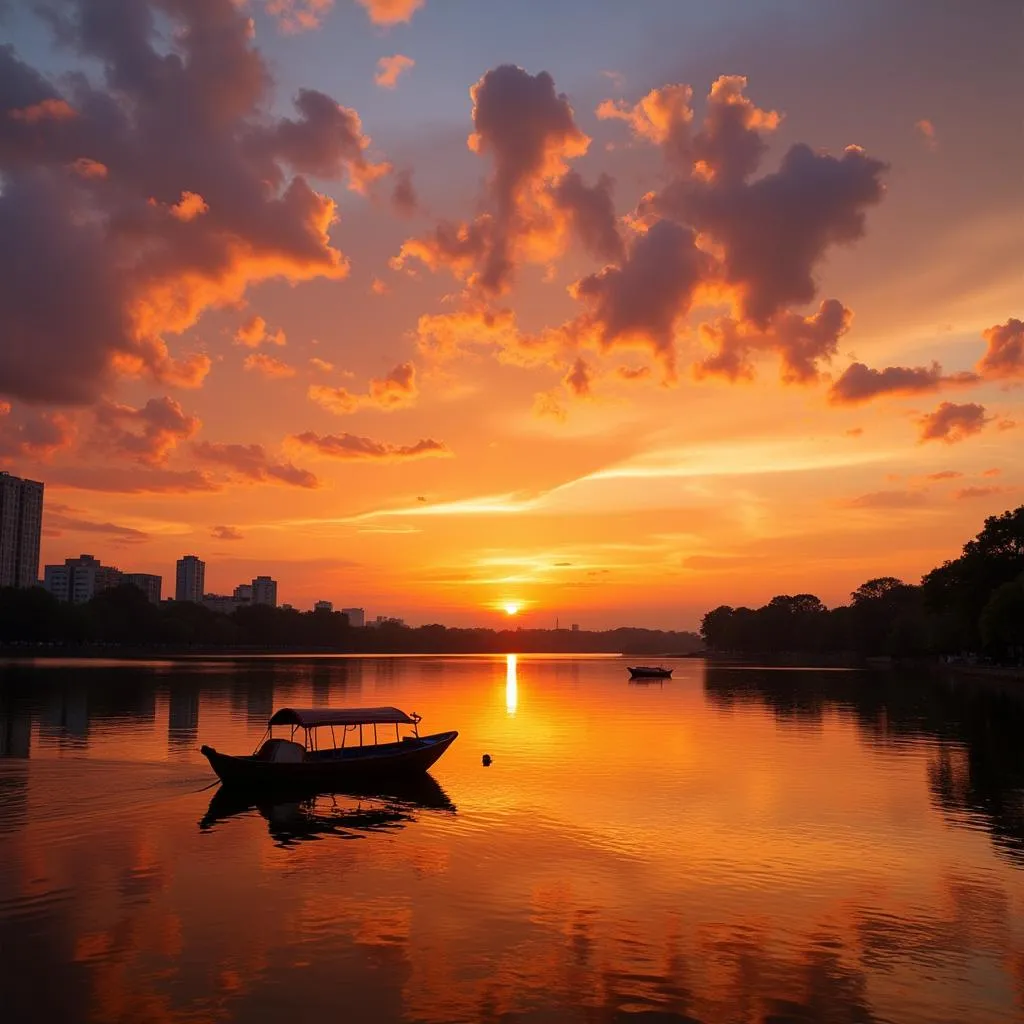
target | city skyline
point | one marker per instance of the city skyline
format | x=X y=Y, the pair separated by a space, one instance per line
x=447 y=315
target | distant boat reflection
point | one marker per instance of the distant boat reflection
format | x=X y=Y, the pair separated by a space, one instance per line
x=511 y=683
x=293 y=816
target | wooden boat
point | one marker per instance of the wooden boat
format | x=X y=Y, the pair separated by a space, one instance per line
x=649 y=672
x=284 y=762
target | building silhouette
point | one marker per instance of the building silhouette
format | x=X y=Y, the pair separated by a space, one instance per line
x=264 y=591
x=323 y=606
x=356 y=616
x=21 y=527
x=80 y=579
x=149 y=584
x=189 y=578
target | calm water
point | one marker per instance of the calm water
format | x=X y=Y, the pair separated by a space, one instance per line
x=734 y=845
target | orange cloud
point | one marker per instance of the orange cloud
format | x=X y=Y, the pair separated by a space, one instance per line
x=118 y=480
x=250 y=461
x=927 y=132
x=295 y=16
x=391 y=12
x=396 y=390
x=86 y=168
x=50 y=109
x=390 y=68
x=254 y=333
x=859 y=383
x=952 y=423
x=889 y=500
x=969 y=493
x=33 y=435
x=799 y=341
x=350 y=446
x=190 y=206
x=269 y=366
x=1004 y=355
x=232 y=201
x=226 y=533
x=321 y=365
x=945 y=474
x=529 y=133
x=148 y=434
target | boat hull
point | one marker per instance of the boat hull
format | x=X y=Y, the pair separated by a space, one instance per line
x=407 y=759
x=650 y=673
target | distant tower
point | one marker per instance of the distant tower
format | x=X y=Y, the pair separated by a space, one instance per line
x=21 y=527
x=264 y=591
x=190 y=579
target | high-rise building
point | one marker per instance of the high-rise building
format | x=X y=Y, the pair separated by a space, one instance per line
x=21 y=526
x=150 y=585
x=264 y=591
x=323 y=606
x=356 y=616
x=80 y=579
x=189 y=579
x=243 y=593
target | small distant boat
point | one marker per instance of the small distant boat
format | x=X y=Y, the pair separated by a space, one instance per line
x=285 y=762
x=649 y=672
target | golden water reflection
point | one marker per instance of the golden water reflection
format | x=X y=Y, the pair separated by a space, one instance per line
x=511 y=683
x=732 y=846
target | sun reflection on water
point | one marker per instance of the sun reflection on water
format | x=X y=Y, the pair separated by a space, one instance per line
x=511 y=684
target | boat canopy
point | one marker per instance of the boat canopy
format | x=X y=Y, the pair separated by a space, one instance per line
x=310 y=718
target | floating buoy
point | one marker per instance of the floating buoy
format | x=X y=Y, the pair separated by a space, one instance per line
x=486 y=759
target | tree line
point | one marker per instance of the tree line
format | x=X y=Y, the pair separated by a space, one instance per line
x=122 y=616
x=972 y=604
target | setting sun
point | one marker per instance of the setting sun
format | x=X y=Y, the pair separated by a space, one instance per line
x=512 y=607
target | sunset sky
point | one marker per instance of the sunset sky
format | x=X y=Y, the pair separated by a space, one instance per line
x=615 y=311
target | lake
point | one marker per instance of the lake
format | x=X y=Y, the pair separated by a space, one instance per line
x=737 y=844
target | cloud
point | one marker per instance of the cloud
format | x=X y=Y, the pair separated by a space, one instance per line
x=117 y=480
x=529 y=133
x=148 y=434
x=271 y=367
x=579 y=378
x=390 y=68
x=859 y=383
x=969 y=493
x=33 y=435
x=445 y=335
x=593 y=214
x=927 y=132
x=391 y=12
x=321 y=365
x=945 y=474
x=403 y=196
x=633 y=372
x=204 y=193
x=396 y=390
x=799 y=341
x=952 y=423
x=641 y=301
x=254 y=333
x=295 y=16
x=771 y=232
x=994 y=471
x=250 y=461
x=349 y=446
x=55 y=518
x=1004 y=355
x=889 y=500
x=226 y=533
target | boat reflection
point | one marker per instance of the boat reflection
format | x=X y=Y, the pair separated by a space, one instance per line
x=294 y=816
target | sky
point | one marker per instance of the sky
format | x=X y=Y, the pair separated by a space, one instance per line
x=609 y=312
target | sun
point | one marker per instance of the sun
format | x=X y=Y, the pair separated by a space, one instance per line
x=512 y=607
